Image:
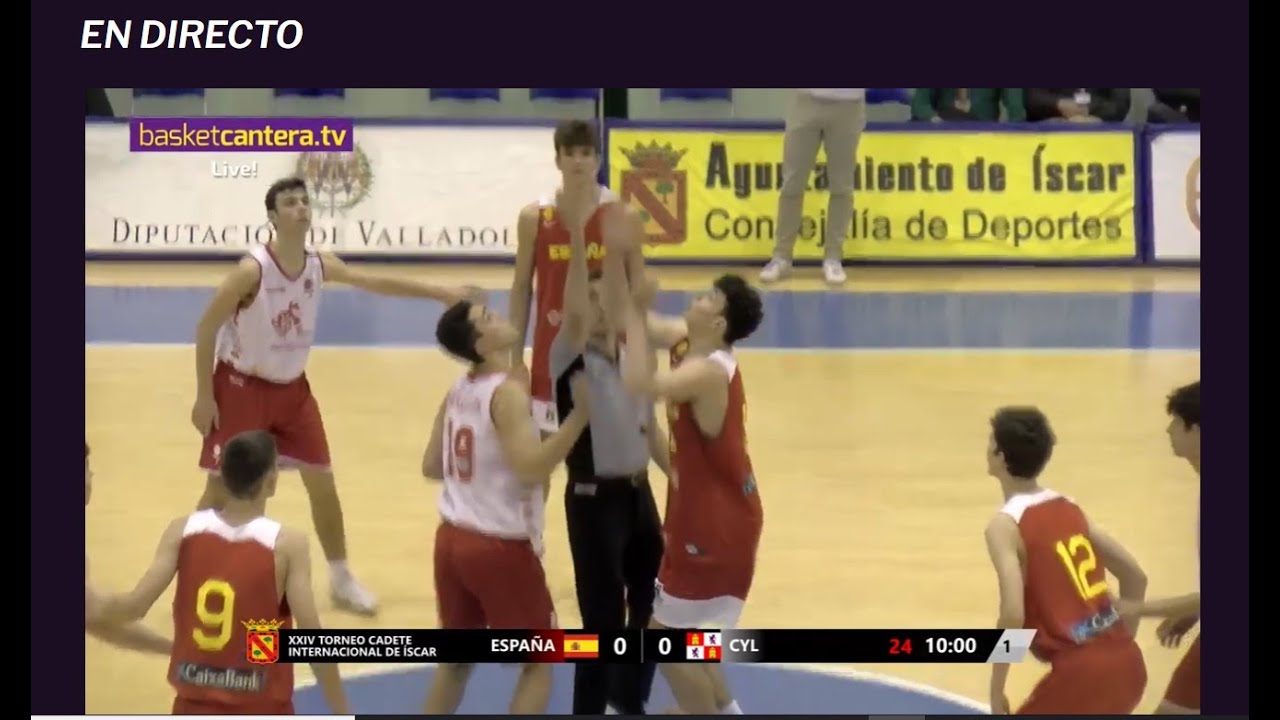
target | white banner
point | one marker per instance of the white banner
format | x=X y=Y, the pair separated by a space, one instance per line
x=1175 y=195
x=405 y=190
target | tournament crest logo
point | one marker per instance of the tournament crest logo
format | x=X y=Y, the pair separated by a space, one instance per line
x=336 y=181
x=658 y=191
x=262 y=641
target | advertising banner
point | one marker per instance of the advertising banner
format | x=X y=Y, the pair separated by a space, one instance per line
x=1069 y=195
x=1175 y=194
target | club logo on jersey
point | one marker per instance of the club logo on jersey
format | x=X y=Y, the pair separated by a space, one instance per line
x=336 y=181
x=262 y=641
x=309 y=287
x=288 y=319
x=548 y=215
x=658 y=191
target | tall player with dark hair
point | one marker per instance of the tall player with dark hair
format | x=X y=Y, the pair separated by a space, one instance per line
x=1051 y=564
x=236 y=569
x=1182 y=613
x=252 y=347
x=543 y=250
x=714 y=514
x=488 y=546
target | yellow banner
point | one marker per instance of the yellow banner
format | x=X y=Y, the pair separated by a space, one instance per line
x=917 y=195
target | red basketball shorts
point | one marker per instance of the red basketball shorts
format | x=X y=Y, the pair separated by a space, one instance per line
x=287 y=410
x=1184 y=686
x=486 y=581
x=1102 y=678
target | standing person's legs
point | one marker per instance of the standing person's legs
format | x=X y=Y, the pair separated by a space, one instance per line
x=630 y=685
x=300 y=435
x=842 y=125
x=800 y=146
x=596 y=533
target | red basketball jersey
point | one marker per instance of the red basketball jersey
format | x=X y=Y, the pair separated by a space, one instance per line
x=226 y=578
x=714 y=514
x=550 y=270
x=1066 y=595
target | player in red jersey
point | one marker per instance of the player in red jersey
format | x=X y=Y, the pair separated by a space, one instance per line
x=129 y=635
x=252 y=347
x=1051 y=563
x=714 y=514
x=236 y=568
x=1180 y=614
x=543 y=251
x=485 y=447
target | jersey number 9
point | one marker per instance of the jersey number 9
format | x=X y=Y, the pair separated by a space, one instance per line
x=214 y=631
x=1078 y=557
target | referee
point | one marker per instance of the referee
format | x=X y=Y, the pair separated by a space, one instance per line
x=615 y=533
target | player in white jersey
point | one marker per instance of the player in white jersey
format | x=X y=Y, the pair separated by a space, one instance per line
x=485 y=447
x=252 y=345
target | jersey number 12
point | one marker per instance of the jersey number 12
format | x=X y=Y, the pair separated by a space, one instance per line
x=1078 y=557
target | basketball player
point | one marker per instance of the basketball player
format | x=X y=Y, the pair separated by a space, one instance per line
x=1180 y=614
x=1051 y=563
x=130 y=636
x=488 y=547
x=542 y=254
x=252 y=346
x=714 y=513
x=235 y=567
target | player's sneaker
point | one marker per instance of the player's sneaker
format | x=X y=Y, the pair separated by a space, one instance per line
x=347 y=594
x=833 y=271
x=776 y=270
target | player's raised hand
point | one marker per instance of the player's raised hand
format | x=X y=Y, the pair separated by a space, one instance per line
x=616 y=229
x=644 y=291
x=204 y=415
x=520 y=373
x=1171 y=631
x=576 y=203
x=470 y=293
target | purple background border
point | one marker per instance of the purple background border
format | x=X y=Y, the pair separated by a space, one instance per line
x=883 y=45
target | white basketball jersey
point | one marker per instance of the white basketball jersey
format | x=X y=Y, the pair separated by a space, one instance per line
x=271 y=338
x=480 y=490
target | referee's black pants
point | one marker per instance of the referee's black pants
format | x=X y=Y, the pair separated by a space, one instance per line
x=615 y=536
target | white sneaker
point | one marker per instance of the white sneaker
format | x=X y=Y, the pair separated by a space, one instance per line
x=775 y=270
x=347 y=594
x=833 y=271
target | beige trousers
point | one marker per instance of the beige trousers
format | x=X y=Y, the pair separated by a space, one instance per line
x=836 y=126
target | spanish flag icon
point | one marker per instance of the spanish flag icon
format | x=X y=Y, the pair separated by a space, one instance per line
x=581 y=646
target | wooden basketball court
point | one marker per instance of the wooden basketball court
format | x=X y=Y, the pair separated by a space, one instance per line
x=871 y=466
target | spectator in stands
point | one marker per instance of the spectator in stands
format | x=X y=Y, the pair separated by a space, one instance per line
x=967 y=104
x=1077 y=104
x=832 y=119
x=1175 y=105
